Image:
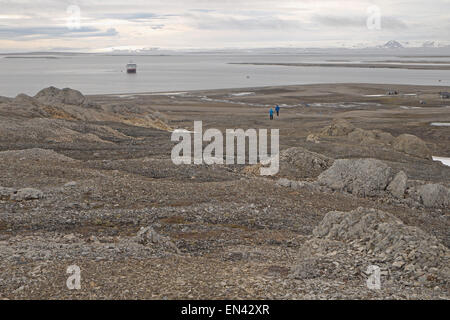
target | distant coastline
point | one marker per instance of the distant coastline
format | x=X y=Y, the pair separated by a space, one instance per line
x=350 y=65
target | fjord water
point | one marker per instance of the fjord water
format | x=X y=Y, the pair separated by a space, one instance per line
x=98 y=74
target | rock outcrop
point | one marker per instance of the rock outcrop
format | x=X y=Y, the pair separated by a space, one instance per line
x=370 y=137
x=300 y=163
x=339 y=127
x=296 y=163
x=147 y=236
x=27 y=194
x=434 y=195
x=412 y=145
x=55 y=96
x=20 y=194
x=369 y=236
x=398 y=185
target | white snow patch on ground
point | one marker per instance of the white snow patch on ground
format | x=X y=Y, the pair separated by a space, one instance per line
x=444 y=160
x=240 y=94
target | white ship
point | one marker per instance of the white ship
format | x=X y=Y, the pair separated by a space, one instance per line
x=131 y=67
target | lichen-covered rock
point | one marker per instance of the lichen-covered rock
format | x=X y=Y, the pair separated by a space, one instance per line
x=306 y=269
x=5 y=193
x=398 y=185
x=434 y=195
x=55 y=96
x=148 y=236
x=339 y=127
x=24 y=99
x=383 y=137
x=412 y=145
x=27 y=194
x=298 y=163
x=284 y=182
x=382 y=233
x=313 y=138
x=361 y=177
x=364 y=236
x=370 y=137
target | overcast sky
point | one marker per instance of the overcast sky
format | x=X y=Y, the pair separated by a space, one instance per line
x=52 y=24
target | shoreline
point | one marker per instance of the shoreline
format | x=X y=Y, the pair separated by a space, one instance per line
x=257 y=88
x=350 y=65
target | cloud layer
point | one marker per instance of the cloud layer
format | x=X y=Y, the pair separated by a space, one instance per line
x=45 y=24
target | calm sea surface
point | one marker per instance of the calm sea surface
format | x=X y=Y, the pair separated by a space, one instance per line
x=96 y=74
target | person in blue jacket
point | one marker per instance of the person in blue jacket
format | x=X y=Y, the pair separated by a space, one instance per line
x=271 y=113
x=277 y=109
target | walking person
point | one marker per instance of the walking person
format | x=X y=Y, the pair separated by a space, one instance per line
x=277 y=109
x=271 y=113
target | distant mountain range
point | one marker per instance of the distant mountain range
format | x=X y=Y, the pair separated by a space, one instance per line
x=393 y=44
x=419 y=47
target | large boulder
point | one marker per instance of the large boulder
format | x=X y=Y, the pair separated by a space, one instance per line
x=361 y=177
x=412 y=145
x=55 y=96
x=299 y=163
x=370 y=137
x=434 y=195
x=339 y=127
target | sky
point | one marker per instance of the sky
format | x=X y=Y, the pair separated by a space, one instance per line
x=100 y=25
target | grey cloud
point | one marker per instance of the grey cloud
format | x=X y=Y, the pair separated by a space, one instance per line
x=52 y=32
x=357 y=21
x=137 y=17
x=157 y=26
x=247 y=24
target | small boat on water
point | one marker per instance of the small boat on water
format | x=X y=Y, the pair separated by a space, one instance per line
x=131 y=67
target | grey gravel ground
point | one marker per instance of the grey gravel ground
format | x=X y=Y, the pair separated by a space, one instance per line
x=213 y=232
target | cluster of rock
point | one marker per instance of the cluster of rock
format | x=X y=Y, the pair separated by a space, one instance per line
x=22 y=194
x=67 y=116
x=406 y=143
x=34 y=154
x=147 y=236
x=55 y=96
x=338 y=127
x=364 y=237
x=374 y=178
x=361 y=177
x=297 y=163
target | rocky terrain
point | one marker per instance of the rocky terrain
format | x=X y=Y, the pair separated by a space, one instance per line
x=88 y=181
